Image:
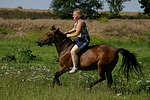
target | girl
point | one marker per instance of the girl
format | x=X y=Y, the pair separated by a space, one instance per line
x=82 y=37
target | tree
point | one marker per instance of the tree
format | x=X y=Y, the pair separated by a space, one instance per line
x=64 y=8
x=145 y=5
x=116 y=6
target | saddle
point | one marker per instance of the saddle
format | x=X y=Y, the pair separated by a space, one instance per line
x=84 y=50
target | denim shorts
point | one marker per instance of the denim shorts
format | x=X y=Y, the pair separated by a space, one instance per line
x=81 y=42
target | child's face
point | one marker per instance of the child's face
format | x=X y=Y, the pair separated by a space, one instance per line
x=75 y=16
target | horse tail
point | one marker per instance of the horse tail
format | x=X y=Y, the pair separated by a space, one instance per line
x=129 y=63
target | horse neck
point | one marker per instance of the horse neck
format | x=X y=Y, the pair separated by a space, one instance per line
x=62 y=42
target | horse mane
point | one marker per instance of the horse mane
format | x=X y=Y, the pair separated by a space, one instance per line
x=64 y=38
x=62 y=34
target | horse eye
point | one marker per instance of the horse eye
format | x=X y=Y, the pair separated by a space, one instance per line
x=48 y=34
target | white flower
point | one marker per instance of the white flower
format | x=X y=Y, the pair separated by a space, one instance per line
x=118 y=94
x=18 y=72
x=139 y=82
x=147 y=81
x=6 y=73
x=3 y=67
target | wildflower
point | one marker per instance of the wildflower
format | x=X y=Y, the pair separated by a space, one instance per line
x=6 y=73
x=48 y=70
x=118 y=94
x=148 y=87
x=147 y=81
x=3 y=67
x=139 y=82
x=18 y=72
x=80 y=76
x=29 y=79
x=93 y=76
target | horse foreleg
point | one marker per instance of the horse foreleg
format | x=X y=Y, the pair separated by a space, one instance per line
x=56 y=78
x=58 y=74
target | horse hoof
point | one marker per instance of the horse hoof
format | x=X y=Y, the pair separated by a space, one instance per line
x=59 y=84
x=53 y=85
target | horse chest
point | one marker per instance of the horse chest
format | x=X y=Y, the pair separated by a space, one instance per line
x=65 y=59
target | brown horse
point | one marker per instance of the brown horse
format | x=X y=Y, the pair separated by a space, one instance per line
x=102 y=57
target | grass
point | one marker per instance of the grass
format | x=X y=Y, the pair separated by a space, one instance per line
x=32 y=80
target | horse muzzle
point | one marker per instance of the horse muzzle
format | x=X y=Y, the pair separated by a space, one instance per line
x=42 y=43
x=39 y=43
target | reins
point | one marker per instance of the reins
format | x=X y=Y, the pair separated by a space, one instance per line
x=61 y=41
x=56 y=44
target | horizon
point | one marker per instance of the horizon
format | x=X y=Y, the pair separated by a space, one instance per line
x=44 y=5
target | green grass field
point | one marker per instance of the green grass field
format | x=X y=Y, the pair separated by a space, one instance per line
x=30 y=73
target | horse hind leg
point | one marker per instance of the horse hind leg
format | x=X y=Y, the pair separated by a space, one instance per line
x=101 y=71
x=109 y=72
x=109 y=79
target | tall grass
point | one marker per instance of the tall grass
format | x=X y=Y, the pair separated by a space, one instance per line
x=106 y=28
x=32 y=80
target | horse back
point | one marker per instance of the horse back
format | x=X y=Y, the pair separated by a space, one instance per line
x=92 y=55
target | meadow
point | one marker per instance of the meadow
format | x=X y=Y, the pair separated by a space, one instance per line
x=27 y=70
x=25 y=78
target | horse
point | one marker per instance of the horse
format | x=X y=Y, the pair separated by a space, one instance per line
x=102 y=57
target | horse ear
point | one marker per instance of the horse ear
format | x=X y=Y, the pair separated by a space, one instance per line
x=53 y=27
x=57 y=29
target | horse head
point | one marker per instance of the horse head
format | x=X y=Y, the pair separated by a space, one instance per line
x=48 y=38
x=51 y=37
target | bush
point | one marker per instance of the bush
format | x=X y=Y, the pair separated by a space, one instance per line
x=8 y=57
x=141 y=16
x=24 y=56
x=103 y=19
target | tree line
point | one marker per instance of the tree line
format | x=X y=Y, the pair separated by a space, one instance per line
x=64 y=8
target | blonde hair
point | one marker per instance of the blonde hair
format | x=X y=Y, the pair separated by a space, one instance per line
x=79 y=13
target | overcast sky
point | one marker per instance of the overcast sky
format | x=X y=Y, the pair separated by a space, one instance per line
x=132 y=6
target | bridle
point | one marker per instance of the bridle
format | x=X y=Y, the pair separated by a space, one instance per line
x=52 y=38
x=61 y=41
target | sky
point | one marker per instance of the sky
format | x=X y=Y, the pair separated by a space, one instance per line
x=132 y=6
